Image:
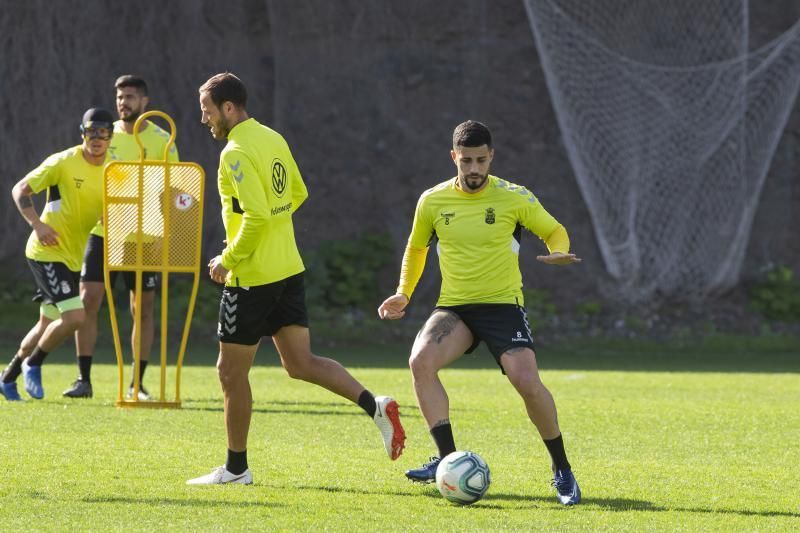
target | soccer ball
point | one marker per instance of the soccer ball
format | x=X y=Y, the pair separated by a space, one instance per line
x=463 y=477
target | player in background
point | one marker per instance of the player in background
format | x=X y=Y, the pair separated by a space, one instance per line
x=477 y=220
x=264 y=295
x=132 y=99
x=74 y=183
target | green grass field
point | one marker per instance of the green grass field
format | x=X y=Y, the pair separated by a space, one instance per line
x=670 y=440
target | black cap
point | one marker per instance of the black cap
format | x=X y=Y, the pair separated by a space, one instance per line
x=97 y=114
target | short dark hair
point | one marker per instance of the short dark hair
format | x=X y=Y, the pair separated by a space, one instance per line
x=472 y=134
x=225 y=87
x=129 y=80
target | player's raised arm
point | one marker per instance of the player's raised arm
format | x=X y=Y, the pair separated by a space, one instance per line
x=542 y=224
x=558 y=246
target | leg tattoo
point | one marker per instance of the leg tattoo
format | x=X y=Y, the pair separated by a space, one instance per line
x=442 y=325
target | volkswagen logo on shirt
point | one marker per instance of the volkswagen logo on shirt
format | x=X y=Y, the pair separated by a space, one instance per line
x=278 y=178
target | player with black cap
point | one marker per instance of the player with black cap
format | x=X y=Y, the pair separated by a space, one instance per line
x=73 y=180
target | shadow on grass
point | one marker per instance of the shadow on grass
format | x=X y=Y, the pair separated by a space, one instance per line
x=626 y=505
x=606 y=504
x=267 y=410
x=348 y=408
x=188 y=502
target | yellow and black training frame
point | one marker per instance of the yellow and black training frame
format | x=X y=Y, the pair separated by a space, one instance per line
x=153 y=218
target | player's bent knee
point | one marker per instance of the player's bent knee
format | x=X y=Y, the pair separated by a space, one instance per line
x=92 y=297
x=73 y=319
x=296 y=370
x=422 y=364
x=524 y=379
x=229 y=376
x=531 y=387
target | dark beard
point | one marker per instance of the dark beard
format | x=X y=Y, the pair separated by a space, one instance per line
x=475 y=187
x=132 y=117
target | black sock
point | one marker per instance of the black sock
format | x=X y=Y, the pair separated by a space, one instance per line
x=556 y=448
x=37 y=357
x=85 y=368
x=237 y=462
x=367 y=402
x=142 y=368
x=13 y=370
x=443 y=437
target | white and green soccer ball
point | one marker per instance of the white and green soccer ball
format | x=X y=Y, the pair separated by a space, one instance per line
x=463 y=477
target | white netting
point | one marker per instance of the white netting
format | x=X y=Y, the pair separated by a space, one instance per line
x=670 y=122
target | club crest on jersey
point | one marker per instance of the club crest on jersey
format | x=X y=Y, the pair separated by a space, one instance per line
x=448 y=216
x=78 y=182
x=278 y=178
x=489 y=215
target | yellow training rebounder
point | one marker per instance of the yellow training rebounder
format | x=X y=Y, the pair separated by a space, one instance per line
x=153 y=217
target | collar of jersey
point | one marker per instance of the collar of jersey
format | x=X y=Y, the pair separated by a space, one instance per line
x=243 y=125
x=473 y=195
x=119 y=128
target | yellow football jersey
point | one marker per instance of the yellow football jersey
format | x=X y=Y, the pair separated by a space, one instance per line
x=478 y=237
x=260 y=188
x=74 y=204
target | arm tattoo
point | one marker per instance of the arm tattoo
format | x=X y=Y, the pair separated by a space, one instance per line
x=25 y=202
x=443 y=422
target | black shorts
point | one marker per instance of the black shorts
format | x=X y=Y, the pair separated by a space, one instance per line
x=248 y=313
x=54 y=282
x=501 y=326
x=93 y=268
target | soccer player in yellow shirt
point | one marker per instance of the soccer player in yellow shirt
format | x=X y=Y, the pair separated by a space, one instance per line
x=74 y=183
x=476 y=221
x=132 y=99
x=260 y=188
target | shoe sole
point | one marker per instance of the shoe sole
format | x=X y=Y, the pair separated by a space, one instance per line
x=241 y=480
x=17 y=399
x=398 y=433
x=34 y=396
x=420 y=481
x=233 y=482
x=575 y=499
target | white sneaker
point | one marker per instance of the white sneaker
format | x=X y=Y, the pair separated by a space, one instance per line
x=387 y=418
x=221 y=476
x=143 y=395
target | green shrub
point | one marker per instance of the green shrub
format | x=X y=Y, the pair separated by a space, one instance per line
x=589 y=309
x=343 y=274
x=777 y=296
x=540 y=307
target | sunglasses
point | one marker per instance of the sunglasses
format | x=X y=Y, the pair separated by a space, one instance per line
x=95 y=130
x=104 y=134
